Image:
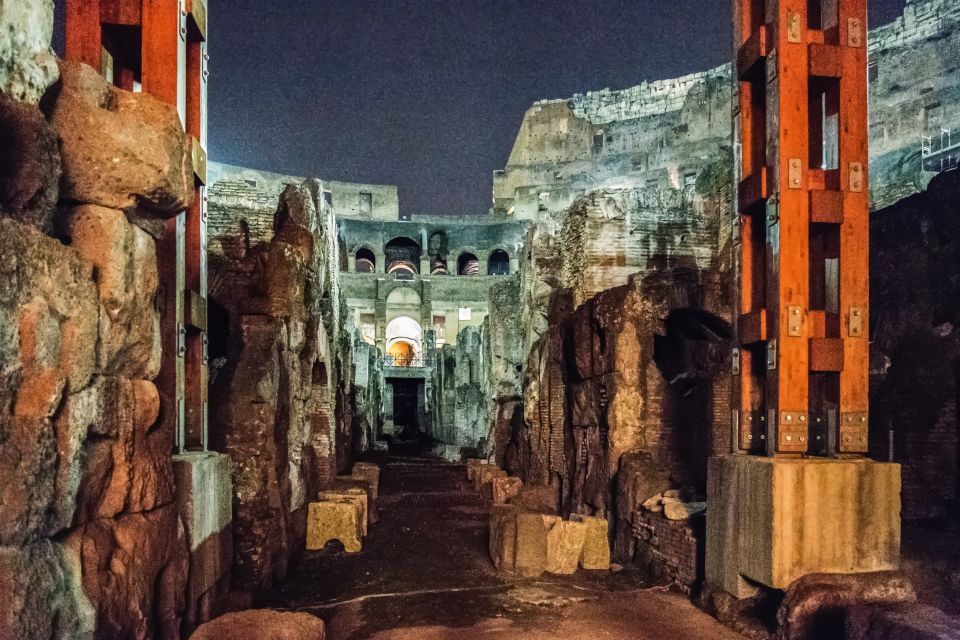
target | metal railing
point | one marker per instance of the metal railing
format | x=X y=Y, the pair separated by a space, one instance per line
x=404 y=361
x=939 y=154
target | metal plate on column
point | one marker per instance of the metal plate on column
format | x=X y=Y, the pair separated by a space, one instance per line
x=856 y=322
x=753 y=431
x=854 y=32
x=792 y=432
x=795 y=321
x=854 y=429
x=794 y=28
x=735 y=361
x=856 y=177
x=771 y=355
x=796 y=173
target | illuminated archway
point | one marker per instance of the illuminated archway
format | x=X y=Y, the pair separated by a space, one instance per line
x=404 y=341
x=468 y=265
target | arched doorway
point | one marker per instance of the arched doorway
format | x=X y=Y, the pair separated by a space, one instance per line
x=499 y=263
x=404 y=342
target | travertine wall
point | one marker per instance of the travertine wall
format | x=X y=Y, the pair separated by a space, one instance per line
x=91 y=541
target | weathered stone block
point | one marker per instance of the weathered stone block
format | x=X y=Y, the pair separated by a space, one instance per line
x=473 y=466
x=48 y=321
x=503 y=536
x=565 y=540
x=126 y=274
x=596 y=544
x=530 y=549
x=505 y=487
x=485 y=475
x=30 y=172
x=775 y=520
x=40 y=594
x=328 y=521
x=357 y=497
x=260 y=624
x=806 y=609
x=120 y=149
x=369 y=473
x=134 y=572
x=28 y=65
x=205 y=504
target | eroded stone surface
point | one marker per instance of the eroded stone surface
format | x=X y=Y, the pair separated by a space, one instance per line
x=120 y=149
x=260 y=624
x=27 y=66
x=30 y=172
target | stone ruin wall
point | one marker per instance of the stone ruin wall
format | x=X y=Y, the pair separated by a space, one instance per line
x=597 y=284
x=92 y=543
x=284 y=388
x=915 y=344
x=656 y=134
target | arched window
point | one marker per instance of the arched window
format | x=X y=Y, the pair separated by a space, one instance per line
x=366 y=261
x=468 y=265
x=499 y=263
x=403 y=256
x=438 y=267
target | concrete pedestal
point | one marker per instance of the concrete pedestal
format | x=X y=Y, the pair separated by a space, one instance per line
x=772 y=520
x=205 y=503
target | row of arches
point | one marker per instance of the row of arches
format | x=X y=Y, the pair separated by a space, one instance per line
x=399 y=260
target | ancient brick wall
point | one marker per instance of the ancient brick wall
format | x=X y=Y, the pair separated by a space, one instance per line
x=91 y=541
x=915 y=358
x=671 y=549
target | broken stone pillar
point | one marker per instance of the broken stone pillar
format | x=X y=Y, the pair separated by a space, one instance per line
x=328 y=521
x=565 y=541
x=205 y=503
x=772 y=520
x=596 y=544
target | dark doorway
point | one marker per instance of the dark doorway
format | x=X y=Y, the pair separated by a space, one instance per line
x=406 y=407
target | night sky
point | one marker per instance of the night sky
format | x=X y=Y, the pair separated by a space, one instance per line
x=429 y=94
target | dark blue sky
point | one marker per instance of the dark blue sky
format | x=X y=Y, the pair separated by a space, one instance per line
x=429 y=94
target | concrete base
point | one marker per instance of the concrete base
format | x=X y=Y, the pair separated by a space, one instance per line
x=772 y=520
x=205 y=503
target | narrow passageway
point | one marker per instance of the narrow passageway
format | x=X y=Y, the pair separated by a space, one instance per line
x=424 y=573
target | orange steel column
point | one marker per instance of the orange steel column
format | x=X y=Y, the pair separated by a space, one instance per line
x=800 y=369
x=171 y=35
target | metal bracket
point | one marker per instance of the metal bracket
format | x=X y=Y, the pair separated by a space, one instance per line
x=773 y=209
x=794 y=30
x=206 y=345
x=181 y=340
x=772 y=70
x=735 y=361
x=856 y=177
x=736 y=229
x=183 y=20
x=795 y=321
x=856 y=322
x=796 y=173
x=854 y=32
x=771 y=354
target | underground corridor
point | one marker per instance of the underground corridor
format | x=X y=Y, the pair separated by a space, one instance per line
x=442 y=320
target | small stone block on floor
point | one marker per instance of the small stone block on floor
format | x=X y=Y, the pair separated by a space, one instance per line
x=369 y=473
x=355 y=496
x=596 y=544
x=503 y=536
x=257 y=624
x=483 y=481
x=565 y=539
x=328 y=521
x=473 y=466
x=530 y=549
x=345 y=483
x=505 y=487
